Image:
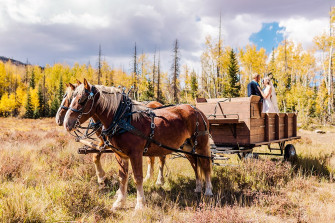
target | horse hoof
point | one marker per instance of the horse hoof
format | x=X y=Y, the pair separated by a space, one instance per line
x=102 y=181
x=118 y=204
x=159 y=182
x=139 y=207
x=197 y=190
x=208 y=193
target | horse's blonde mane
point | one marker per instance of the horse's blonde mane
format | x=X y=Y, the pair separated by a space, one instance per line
x=69 y=92
x=110 y=98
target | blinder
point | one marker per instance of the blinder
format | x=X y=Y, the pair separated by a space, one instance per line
x=83 y=100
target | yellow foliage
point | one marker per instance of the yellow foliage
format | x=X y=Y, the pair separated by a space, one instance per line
x=253 y=61
x=34 y=98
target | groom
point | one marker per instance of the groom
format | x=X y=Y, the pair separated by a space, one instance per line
x=252 y=86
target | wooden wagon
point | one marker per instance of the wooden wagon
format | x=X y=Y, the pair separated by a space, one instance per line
x=237 y=126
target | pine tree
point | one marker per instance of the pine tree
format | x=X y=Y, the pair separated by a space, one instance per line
x=54 y=106
x=41 y=105
x=149 y=94
x=32 y=80
x=194 y=85
x=233 y=88
x=60 y=89
x=29 y=107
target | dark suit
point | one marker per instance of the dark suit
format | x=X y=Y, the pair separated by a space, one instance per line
x=253 y=89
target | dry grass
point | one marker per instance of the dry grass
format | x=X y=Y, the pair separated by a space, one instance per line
x=43 y=179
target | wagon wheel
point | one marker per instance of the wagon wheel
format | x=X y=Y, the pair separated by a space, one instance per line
x=290 y=154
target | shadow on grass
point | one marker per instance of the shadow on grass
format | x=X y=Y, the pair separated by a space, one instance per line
x=181 y=193
x=315 y=166
x=240 y=185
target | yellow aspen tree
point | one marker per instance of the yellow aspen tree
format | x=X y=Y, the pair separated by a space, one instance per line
x=252 y=61
x=34 y=98
x=105 y=73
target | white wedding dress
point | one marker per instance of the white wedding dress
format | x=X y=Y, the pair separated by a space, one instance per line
x=268 y=103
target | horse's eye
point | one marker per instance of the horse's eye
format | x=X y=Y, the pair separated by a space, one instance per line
x=64 y=95
x=82 y=100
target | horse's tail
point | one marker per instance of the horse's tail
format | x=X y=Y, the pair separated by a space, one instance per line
x=204 y=164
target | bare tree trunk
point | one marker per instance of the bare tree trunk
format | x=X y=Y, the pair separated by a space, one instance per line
x=135 y=74
x=158 y=79
x=99 y=65
x=330 y=84
x=175 y=68
x=218 y=65
x=154 y=73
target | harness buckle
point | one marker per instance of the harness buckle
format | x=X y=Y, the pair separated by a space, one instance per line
x=153 y=125
x=145 y=150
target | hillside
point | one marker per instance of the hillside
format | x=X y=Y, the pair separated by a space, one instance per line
x=16 y=62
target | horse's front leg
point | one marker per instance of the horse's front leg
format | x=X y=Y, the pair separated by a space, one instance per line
x=123 y=177
x=150 y=171
x=198 y=181
x=136 y=163
x=97 y=164
x=98 y=168
x=160 y=178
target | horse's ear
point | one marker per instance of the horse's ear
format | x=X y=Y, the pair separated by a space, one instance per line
x=72 y=86
x=78 y=82
x=86 y=84
x=66 y=84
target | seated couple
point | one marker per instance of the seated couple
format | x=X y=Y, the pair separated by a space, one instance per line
x=268 y=95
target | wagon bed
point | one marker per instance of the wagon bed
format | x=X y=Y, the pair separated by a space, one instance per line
x=238 y=125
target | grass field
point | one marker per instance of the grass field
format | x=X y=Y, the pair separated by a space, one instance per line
x=43 y=179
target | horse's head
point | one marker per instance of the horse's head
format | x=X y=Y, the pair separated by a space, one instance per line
x=82 y=106
x=64 y=106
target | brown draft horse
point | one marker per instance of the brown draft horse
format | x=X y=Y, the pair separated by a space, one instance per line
x=173 y=126
x=96 y=156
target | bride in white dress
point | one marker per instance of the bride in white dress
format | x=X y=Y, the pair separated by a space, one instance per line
x=270 y=104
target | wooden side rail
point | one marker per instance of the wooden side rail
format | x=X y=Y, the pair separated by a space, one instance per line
x=225 y=121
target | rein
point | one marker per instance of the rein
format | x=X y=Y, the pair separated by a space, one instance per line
x=94 y=126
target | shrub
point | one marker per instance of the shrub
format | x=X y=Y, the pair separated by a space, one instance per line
x=226 y=214
x=12 y=165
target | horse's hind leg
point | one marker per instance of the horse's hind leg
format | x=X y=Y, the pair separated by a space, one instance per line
x=123 y=177
x=208 y=191
x=198 y=181
x=136 y=163
x=98 y=168
x=150 y=171
x=160 y=178
x=205 y=165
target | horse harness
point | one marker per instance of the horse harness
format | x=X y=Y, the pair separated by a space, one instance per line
x=122 y=123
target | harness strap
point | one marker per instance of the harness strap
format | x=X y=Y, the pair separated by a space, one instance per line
x=135 y=131
x=122 y=113
x=152 y=132
x=121 y=124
